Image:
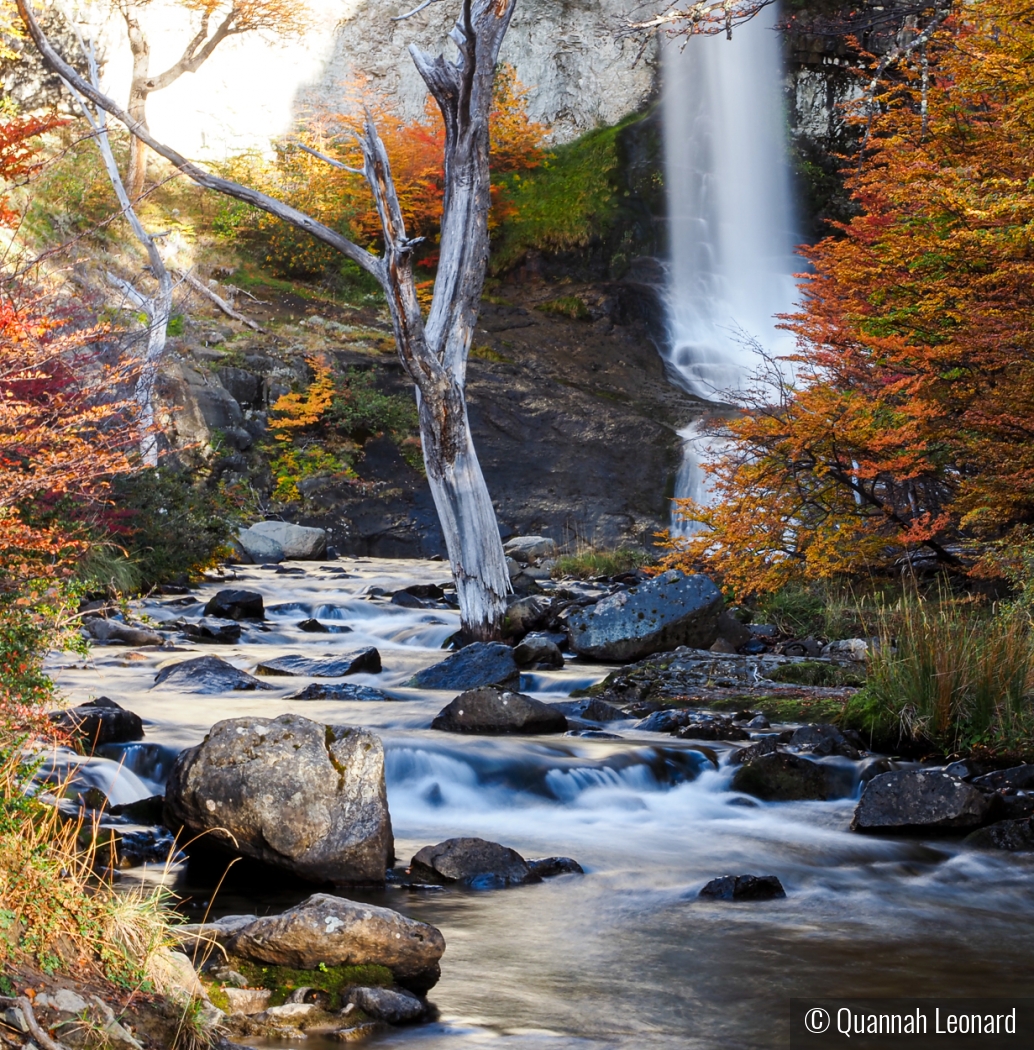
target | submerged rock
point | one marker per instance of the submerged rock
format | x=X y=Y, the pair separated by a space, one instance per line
x=472 y=862
x=341 y=691
x=393 y=1005
x=99 y=721
x=360 y=661
x=822 y=739
x=496 y=711
x=475 y=665
x=1016 y=836
x=207 y=674
x=743 y=888
x=670 y=610
x=235 y=604
x=116 y=631
x=306 y=798
x=591 y=710
x=540 y=651
x=338 y=932
x=298 y=542
x=212 y=629
x=782 y=777
x=314 y=626
x=919 y=801
x=550 y=867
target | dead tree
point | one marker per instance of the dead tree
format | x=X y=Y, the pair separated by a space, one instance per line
x=433 y=351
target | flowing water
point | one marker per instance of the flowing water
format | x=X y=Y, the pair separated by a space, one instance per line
x=624 y=956
x=731 y=219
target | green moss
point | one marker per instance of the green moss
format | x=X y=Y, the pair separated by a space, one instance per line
x=567 y=306
x=283 y=980
x=786 y=708
x=486 y=353
x=815 y=672
x=591 y=563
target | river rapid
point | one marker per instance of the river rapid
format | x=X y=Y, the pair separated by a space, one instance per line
x=624 y=956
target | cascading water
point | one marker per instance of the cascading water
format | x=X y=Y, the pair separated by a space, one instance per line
x=731 y=217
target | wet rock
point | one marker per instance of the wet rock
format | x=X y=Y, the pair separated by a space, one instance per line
x=550 y=867
x=341 y=691
x=1016 y=836
x=1018 y=778
x=298 y=542
x=411 y=601
x=669 y=610
x=525 y=549
x=591 y=710
x=540 y=651
x=116 y=631
x=758 y=722
x=496 y=711
x=211 y=629
x=472 y=862
x=430 y=591
x=314 y=626
x=722 y=645
x=693 y=725
x=143 y=811
x=526 y=614
x=732 y=631
x=475 y=665
x=99 y=721
x=339 y=932
x=917 y=801
x=395 y=1006
x=777 y=776
x=743 y=888
x=261 y=549
x=306 y=798
x=360 y=661
x=234 y=604
x=820 y=738
x=206 y=674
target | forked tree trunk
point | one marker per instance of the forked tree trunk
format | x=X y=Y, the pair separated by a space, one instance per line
x=140 y=49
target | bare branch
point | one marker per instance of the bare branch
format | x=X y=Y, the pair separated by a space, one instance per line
x=223 y=305
x=416 y=10
x=23 y=1004
x=706 y=17
x=329 y=160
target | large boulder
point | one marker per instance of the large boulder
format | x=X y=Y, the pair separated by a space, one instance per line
x=99 y=721
x=821 y=738
x=1016 y=836
x=298 y=542
x=307 y=798
x=121 y=633
x=540 y=651
x=478 y=664
x=526 y=614
x=917 y=801
x=236 y=604
x=359 y=661
x=495 y=711
x=670 y=610
x=212 y=629
x=339 y=932
x=473 y=862
x=261 y=549
x=782 y=777
x=206 y=674
x=1016 y=778
x=526 y=549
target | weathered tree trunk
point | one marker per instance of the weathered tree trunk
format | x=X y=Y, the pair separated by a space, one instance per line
x=140 y=49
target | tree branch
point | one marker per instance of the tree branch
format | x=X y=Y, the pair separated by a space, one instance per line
x=223 y=305
x=416 y=10
x=192 y=60
x=23 y=1004
x=330 y=160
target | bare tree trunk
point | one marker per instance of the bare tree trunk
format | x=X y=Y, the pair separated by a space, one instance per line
x=139 y=89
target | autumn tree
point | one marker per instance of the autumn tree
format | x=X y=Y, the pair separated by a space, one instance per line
x=908 y=426
x=211 y=22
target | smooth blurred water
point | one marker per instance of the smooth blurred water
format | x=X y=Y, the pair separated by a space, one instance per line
x=624 y=956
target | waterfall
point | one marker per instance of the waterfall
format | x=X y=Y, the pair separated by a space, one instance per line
x=731 y=217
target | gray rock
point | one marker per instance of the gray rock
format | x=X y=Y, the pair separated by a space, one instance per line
x=855 y=650
x=314 y=626
x=243 y=386
x=489 y=710
x=99 y=721
x=388 y=1004
x=670 y=610
x=592 y=710
x=781 y=777
x=341 y=691
x=525 y=549
x=478 y=664
x=339 y=932
x=820 y=738
x=261 y=549
x=526 y=614
x=298 y=542
x=307 y=798
x=246 y=1002
x=550 y=867
x=540 y=651
x=732 y=631
x=206 y=674
x=472 y=862
x=236 y=604
x=200 y=936
x=213 y=629
x=359 y=661
x=1018 y=778
x=63 y=1000
x=743 y=888
x=919 y=801
x=1016 y=836
x=116 y=631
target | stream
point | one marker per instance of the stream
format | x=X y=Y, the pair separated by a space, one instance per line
x=623 y=956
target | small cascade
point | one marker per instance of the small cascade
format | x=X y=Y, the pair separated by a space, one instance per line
x=731 y=218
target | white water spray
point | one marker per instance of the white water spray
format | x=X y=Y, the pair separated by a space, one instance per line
x=731 y=218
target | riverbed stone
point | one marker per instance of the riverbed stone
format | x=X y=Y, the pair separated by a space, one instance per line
x=212 y=629
x=234 y=603
x=475 y=665
x=1016 y=778
x=550 y=867
x=117 y=631
x=263 y=550
x=670 y=610
x=206 y=674
x=1016 y=836
x=393 y=1005
x=497 y=711
x=539 y=651
x=782 y=777
x=821 y=738
x=341 y=691
x=918 y=801
x=526 y=614
x=303 y=797
x=359 y=661
x=99 y=721
x=298 y=542
x=743 y=888
x=339 y=932
x=473 y=862
x=591 y=709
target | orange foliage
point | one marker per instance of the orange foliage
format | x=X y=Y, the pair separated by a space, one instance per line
x=910 y=423
x=19 y=152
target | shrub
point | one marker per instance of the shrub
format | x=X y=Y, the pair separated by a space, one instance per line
x=592 y=562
